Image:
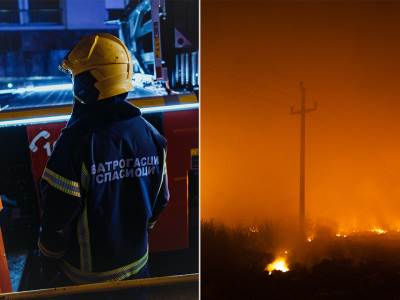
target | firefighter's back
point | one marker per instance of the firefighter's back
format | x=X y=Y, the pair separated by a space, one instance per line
x=121 y=175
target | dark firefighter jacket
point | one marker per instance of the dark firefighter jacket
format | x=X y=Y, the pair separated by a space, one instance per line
x=103 y=187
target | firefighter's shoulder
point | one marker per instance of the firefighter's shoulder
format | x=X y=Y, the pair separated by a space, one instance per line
x=154 y=132
x=65 y=159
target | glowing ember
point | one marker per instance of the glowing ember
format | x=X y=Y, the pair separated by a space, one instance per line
x=378 y=230
x=340 y=235
x=253 y=229
x=279 y=264
x=310 y=239
x=375 y=230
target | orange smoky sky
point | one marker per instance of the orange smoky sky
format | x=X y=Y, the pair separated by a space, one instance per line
x=254 y=54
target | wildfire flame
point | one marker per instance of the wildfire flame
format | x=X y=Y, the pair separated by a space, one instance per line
x=375 y=230
x=378 y=230
x=341 y=235
x=253 y=229
x=279 y=264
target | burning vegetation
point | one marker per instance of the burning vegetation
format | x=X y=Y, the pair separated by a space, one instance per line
x=279 y=264
x=269 y=260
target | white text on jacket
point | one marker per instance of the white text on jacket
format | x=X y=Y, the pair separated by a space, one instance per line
x=124 y=168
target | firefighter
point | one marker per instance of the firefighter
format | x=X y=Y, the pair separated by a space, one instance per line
x=105 y=183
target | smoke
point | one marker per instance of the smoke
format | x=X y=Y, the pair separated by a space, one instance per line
x=253 y=58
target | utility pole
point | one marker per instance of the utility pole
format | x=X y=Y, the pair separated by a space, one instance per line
x=302 y=197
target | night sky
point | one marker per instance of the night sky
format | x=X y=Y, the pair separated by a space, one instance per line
x=254 y=54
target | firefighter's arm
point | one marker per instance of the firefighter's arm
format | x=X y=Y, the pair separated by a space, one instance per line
x=162 y=196
x=62 y=203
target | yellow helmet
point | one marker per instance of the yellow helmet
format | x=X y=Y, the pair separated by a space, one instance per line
x=107 y=59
